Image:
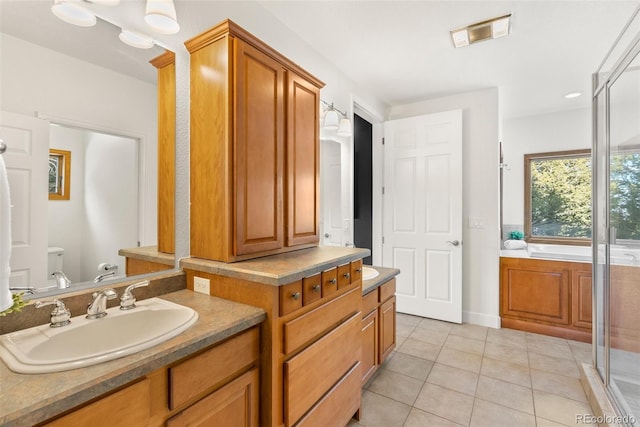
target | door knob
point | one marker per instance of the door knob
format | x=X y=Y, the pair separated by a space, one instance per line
x=454 y=242
x=327 y=235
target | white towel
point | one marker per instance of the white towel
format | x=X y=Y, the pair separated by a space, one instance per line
x=515 y=244
x=6 y=300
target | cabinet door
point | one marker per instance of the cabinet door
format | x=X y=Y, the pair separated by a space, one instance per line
x=258 y=151
x=369 y=345
x=387 y=328
x=234 y=405
x=581 y=299
x=303 y=163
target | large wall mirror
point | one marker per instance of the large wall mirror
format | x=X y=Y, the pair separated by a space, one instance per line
x=106 y=116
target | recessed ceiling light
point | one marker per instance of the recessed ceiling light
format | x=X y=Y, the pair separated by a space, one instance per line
x=571 y=95
x=490 y=29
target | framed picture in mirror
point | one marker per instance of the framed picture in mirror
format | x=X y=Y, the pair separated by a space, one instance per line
x=59 y=174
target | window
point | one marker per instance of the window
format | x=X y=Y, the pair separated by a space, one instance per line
x=59 y=174
x=558 y=197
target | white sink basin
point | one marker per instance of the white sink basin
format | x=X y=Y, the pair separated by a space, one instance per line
x=87 y=342
x=369 y=273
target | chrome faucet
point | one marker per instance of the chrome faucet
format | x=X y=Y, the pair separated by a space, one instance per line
x=128 y=300
x=61 y=280
x=100 y=277
x=98 y=307
x=60 y=316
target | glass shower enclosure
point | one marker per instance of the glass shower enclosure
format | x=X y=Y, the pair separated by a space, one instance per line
x=616 y=223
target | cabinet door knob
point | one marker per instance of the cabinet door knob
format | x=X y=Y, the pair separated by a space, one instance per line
x=295 y=295
x=333 y=281
x=358 y=270
x=347 y=275
x=316 y=288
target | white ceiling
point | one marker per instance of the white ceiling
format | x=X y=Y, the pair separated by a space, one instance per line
x=399 y=51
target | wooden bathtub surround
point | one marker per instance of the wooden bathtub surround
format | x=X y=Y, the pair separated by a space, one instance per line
x=218 y=386
x=310 y=344
x=555 y=298
x=254 y=148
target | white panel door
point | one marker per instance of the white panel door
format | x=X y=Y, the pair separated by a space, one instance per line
x=331 y=194
x=422 y=225
x=27 y=160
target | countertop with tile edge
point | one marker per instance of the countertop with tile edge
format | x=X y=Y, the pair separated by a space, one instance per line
x=281 y=269
x=385 y=275
x=28 y=399
x=149 y=253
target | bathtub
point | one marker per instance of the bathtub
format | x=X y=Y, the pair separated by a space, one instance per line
x=620 y=255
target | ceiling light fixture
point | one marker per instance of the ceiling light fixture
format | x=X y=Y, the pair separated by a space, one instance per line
x=490 y=29
x=135 y=39
x=161 y=16
x=335 y=120
x=72 y=12
x=572 y=95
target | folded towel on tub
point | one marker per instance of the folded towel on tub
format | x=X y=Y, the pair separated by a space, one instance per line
x=515 y=244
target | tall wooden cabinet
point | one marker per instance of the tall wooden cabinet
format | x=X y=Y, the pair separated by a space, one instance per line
x=254 y=148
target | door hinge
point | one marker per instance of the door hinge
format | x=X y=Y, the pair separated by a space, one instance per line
x=383 y=191
x=383 y=240
x=382 y=141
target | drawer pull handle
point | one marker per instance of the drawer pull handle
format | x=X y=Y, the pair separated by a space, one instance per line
x=358 y=270
x=316 y=288
x=347 y=275
x=333 y=281
x=295 y=295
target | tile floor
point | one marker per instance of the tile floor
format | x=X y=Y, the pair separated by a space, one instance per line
x=444 y=374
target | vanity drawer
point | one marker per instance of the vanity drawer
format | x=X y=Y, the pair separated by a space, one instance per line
x=311 y=289
x=339 y=405
x=387 y=290
x=344 y=276
x=311 y=325
x=369 y=302
x=329 y=282
x=199 y=373
x=312 y=373
x=290 y=297
x=356 y=271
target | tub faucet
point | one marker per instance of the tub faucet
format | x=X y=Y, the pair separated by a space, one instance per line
x=100 y=277
x=98 y=307
x=61 y=280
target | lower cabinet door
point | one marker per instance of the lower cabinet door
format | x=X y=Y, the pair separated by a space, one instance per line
x=369 y=345
x=387 y=328
x=234 y=405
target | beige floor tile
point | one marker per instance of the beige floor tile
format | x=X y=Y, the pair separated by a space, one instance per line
x=410 y=366
x=468 y=330
x=468 y=345
x=487 y=414
x=506 y=394
x=396 y=386
x=506 y=353
x=400 y=340
x=556 y=365
x=541 y=422
x=380 y=411
x=558 y=384
x=460 y=359
x=421 y=349
x=508 y=337
x=561 y=350
x=559 y=409
x=533 y=337
x=404 y=330
x=445 y=403
x=455 y=379
x=506 y=371
x=433 y=336
x=408 y=319
x=435 y=325
x=418 y=418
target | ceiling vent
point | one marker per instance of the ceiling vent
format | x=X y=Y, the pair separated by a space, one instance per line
x=485 y=30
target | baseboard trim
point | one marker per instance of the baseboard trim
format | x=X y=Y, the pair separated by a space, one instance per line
x=481 y=319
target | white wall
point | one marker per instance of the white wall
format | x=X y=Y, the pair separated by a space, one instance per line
x=38 y=80
x=481 y=247
x=560 y=131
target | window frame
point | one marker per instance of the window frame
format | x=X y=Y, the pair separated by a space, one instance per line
x=63 y=175
x=576 y=241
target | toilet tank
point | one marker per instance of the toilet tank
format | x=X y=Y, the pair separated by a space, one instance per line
x=54 y=260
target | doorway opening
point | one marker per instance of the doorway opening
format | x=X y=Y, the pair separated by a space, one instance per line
x=363 y=185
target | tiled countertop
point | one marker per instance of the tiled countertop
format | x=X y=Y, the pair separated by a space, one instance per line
x=385 y=275
x=279 y=269
x=149 y=253
x=28 y=399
